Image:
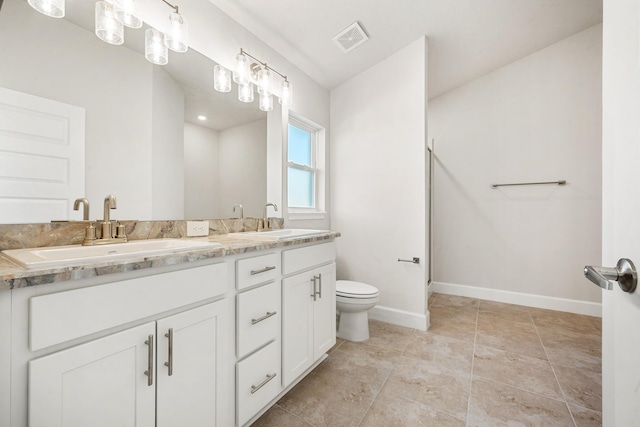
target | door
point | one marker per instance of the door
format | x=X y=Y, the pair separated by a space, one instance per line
x=324 y=311
x=190 y=357
x=297 y=326
x=621 y=209
x=100 y=384
x=41 y=158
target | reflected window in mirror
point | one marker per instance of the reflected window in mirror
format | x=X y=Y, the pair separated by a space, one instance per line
x=305 y=168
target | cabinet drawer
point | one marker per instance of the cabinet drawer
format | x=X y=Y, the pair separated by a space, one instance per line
x=258 y=317
x=63 y=316
x=295 y=260
x=257 y=381
x=256 y=270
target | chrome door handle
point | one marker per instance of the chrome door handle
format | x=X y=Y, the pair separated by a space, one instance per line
x=315 y=287
x=320 y=286
x=624 y=273
x=149 y=371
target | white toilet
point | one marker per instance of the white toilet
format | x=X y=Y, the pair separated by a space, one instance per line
x=353 y=300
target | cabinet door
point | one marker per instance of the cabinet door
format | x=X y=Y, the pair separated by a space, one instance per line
x=297 y=326
x=191 y=394
x=100 y=384
x=324 y=311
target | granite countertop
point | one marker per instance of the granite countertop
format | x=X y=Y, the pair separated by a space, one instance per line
x=13 y=276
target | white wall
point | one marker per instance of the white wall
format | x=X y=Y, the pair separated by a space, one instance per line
x=378 y=181
x=167 y=149
x=242 y=168
x=537 y=119
x=200 y=172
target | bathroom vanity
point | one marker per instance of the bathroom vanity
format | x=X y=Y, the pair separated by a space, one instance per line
x=207 y=335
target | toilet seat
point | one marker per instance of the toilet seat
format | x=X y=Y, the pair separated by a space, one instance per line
x=359 y=290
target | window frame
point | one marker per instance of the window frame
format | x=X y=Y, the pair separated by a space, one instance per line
x=318 y=164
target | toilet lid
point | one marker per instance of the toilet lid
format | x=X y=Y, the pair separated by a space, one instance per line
x=350 y=288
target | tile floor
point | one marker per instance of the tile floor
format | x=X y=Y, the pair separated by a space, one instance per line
x=480 y=364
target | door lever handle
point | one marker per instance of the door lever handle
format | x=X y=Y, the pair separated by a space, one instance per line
x=624 y=273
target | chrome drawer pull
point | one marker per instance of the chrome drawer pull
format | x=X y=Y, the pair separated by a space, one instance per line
x=169 y=362
x=255 y=388
x=314 y=295
x=149 y=371
x=254 y=272
x=266 y=316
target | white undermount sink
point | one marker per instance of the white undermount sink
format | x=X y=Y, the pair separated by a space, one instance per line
x=60 y=256
x=284 y=234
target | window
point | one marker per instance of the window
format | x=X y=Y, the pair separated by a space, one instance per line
x=305 y=161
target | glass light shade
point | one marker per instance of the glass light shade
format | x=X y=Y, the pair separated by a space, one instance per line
x=221 y=79
x=245 y=92
x=125 y=13
x=263 y=81
x=286 y=98
x=52 y=8
x=266 y=102
x=241 y=73
x=154 y=48
x=108 y=28
x=177 y=37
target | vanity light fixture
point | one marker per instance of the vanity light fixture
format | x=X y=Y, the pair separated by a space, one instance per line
x=125 y=13
x=155 y=50
x=176 y=37
x=259 y=72
x=52 y=8
x=108 y=29
x=221 y=79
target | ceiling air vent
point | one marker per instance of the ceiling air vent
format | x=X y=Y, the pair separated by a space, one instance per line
x=351 y=37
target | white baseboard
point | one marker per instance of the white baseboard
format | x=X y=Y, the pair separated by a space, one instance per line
x=530 y=300
x=400 y=317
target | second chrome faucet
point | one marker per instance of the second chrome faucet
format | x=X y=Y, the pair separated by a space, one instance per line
x=108 y=233
x=265 y=221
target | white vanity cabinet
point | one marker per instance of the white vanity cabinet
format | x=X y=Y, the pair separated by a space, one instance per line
x=165 y=363
x=309 y=308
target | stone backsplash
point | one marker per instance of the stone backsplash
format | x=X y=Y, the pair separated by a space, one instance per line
x=17 y=236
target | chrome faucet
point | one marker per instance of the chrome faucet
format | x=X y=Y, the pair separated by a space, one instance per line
x=265 y=220
x=108 y=234
x=85 y=203
x=241 y=210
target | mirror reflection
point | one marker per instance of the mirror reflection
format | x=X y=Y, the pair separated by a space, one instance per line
x=143 y=140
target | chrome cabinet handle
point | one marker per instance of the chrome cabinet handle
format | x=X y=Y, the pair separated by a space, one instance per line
x=255 y=388
x=263 y=270
x=266 y=316
x=314 y=294
x=169 y=362
x=320 y=286
x=624 y=273
x=149 y=371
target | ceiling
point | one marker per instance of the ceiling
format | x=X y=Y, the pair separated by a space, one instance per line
x=467 y=38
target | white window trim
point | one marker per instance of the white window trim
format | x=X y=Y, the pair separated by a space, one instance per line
x=318 y=160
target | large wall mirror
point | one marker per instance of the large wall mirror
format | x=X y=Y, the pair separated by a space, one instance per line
x=144 y=142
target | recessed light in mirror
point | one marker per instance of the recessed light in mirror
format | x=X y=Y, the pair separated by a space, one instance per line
x=202 y=118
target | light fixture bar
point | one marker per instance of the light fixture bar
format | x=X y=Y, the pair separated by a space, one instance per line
x=264 y=64
x=172 y=6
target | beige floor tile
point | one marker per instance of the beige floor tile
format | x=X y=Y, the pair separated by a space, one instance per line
x=561 y=321
x=491 y=322
x=586 y=417
x=453 y=322
x=326 y=398
x=390 y=410
x=511 y=339
x=581 y=387
x=363 y=362
x=496 y=405
x=278 y=417
x=436 y=386
x=339 y=342
x=596 y=322
x=451 y=352
x=389 y=336
x=569 y=348
x=528 y=373
x=502 y=307
x=454 y=301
